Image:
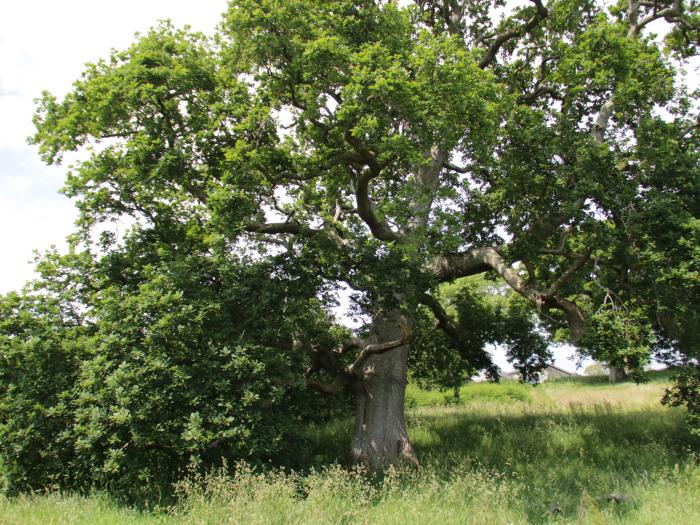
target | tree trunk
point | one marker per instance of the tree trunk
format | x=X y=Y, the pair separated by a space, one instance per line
x=616 y=373
x=380 y=438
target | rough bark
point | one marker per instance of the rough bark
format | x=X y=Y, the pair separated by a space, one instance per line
x=380 y=438
x=616 y=373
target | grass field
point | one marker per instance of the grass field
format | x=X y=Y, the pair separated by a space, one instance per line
x=563 y=452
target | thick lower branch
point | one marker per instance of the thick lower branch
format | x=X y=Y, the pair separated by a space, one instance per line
x=574 y=316
x=447 y=268
x=346 y=377
x=355 y=369
x=479 y=260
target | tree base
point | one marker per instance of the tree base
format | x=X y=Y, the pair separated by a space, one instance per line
x=399 y=454
x=616 y=373
x=380 y=439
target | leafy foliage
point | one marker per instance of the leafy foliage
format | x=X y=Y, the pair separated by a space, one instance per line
x=686 y=392
x=487 y=314
x=177 y=366
x=40 y=351
x=387 y=147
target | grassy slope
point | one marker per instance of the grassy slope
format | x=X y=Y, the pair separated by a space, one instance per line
x=510 y=454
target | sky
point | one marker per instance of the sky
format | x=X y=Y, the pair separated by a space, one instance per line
x=44 y=45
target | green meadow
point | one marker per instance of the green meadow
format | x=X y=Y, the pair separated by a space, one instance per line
x=567 y=451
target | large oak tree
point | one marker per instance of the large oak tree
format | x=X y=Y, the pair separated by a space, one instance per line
x=393 y=146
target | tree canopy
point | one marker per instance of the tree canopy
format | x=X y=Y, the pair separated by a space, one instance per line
x=391 y=147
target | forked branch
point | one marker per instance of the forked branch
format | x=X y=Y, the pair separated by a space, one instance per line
x=345 y=377
x=500 y=39
x=355 y=369
x=365 y=207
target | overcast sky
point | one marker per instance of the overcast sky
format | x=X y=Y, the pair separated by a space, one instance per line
x=44 y=45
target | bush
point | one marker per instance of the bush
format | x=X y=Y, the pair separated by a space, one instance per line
x=157 y=375
x=686 y=392
x=40 y=356
x=170 y=385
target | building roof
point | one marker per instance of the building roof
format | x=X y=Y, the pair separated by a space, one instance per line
x=561 y=370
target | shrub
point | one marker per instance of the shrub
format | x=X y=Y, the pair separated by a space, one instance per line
x=686 y=392
x=155 y=375
x=40 y=355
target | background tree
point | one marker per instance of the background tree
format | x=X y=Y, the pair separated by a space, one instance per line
x=482 y=313
x=595 y=369
x=392 y=147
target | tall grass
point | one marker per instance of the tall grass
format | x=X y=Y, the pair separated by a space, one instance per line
x=505 y=392
x=538 y=458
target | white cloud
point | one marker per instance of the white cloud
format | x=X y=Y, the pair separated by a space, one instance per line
x=44 y=45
